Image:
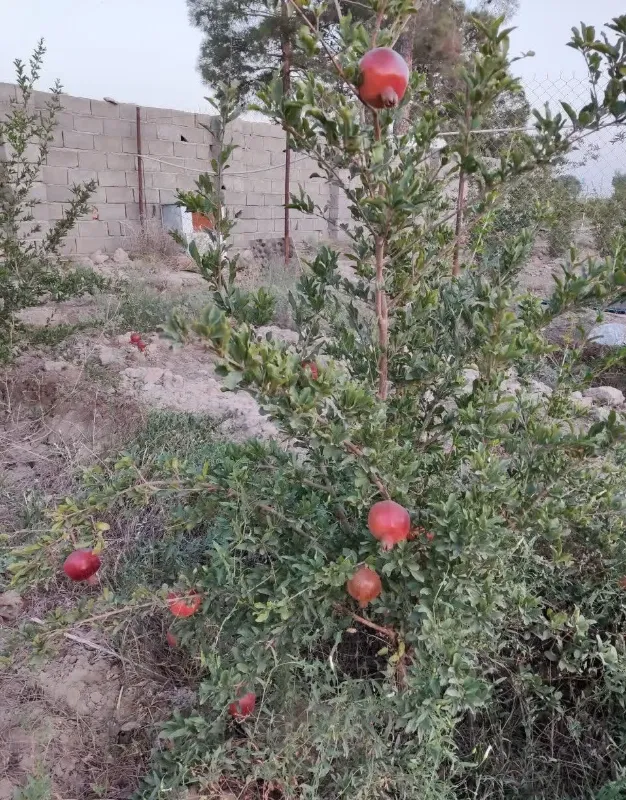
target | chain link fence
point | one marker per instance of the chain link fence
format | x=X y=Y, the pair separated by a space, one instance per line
x=598 y=157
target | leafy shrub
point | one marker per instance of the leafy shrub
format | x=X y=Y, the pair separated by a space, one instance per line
x=608 y=216
x=493 y=663
x=28 y=263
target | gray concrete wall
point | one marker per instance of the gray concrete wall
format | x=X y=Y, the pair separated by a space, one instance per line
x=97 y=140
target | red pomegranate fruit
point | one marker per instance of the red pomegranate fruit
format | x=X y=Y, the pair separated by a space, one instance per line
x=171 y=639
x=81 y=565
x=243 y=707
x=384 y=78
x=364 y=586
x=184 y=605
x=312 y=368
x=389 y=522
x=135 y=338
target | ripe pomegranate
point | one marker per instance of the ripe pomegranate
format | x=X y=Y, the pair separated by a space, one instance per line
x=243 y=707
x=364 y=586
x=622 y=582
x=135 y=338
x=384 y=78
x=81 y=565
x=312 y=367
x=184 y=605
x=171 y=639
x=389 y=522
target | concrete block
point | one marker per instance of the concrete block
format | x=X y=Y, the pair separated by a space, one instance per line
x=89 y=244
x=185 y=149
x=92 y=160
x=112 y=178
x=237 y=199
x=246 y=226
x=152 y=164
x=40 y=212
x=111 y=211
x=129 y=145
x=162 y=180
x=54 y=175
x=273 y=145
x=129 y=111
x=254 y=199
x=68 y=247
x=150 y=195
x=82 y=175
x=117 y=161
x=115 y=228
x=100 y=108
x=277 y=197
x=132 y=178
x=277 y=158
x=8 y=92
x=57 y=138
x=259 y=186
x=64 y=121
x=108 y=144
x=185 y=118
x=59 y=157
x=196 y=166
x=186 y=182
x=99 y=196
x=119 y=194
x=88 y=124
x=241 y=239
x=40 y=99
x=167 y=197
x=76 y=105
x=158 y=114
x=55 y=210
x=119 y=127
x=132 y=211
x=256 y=212
x=161 y=148
x=93 y=228
x=78 y=141
x=38 y=191
x=203 y=152
x=168 y=132
x=197 y=135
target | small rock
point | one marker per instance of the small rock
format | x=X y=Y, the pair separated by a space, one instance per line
x=605 y=395
x=469 y=376
x=108 y=356
x=120 y=256
x=610 y=334
x=576 y=396
x=56 y=366
x=278 y=334
x=99 y=257
x=10 y=605
x=510 y=386
x=184 y=262
x=537 y=387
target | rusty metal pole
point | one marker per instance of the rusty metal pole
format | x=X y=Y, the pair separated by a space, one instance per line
x=286 y=53
x=142 y=207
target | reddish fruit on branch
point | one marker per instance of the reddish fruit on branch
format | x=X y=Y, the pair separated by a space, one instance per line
x=364 y=586
x=243 y=707
x=81 y=565
x=135 y=338
x=171 y=639
x=389 y=522
x=184 y=605
x=312 y=367
x=384 y=78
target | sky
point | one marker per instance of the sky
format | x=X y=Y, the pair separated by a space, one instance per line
x=145 y=51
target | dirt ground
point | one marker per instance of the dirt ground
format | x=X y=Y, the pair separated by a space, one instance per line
x=82 y=720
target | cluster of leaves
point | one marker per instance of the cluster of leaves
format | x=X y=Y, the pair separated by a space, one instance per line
x=216 y=263
x=501 y=627
x=29 y=261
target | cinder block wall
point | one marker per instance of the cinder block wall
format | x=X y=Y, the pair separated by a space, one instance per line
x=97 y=140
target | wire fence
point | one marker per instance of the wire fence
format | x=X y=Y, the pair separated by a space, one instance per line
x=600 y=156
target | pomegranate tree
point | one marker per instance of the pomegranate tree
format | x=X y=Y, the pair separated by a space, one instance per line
x=511 y=609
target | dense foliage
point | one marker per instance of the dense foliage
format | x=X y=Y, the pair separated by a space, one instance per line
x=28 y=254
x=493 y=662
